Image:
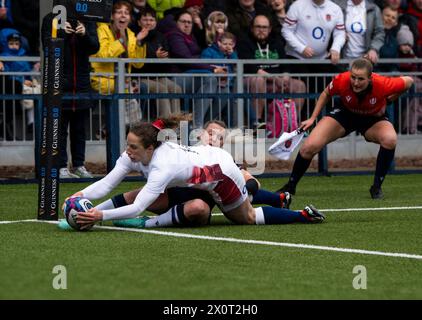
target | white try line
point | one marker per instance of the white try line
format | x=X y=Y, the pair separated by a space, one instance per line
x=235 y=240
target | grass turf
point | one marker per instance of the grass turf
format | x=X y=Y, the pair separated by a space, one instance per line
x=104 y=264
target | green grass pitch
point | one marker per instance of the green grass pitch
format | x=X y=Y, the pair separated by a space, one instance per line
x=112 y=264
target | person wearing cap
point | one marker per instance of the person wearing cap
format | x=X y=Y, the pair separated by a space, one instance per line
x=412 y=108
x=405 y=41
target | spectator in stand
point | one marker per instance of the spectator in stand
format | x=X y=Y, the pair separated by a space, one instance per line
x=260 y=43
x=5 y=14
x=390 y=48
x=310 y=27
x=413 y=18
x=307 y=37
x=157 y=48
x=161 y=6
x=194 y=7
x=183 y=44
x=278 y=14
x=412 y=113
x=216 y=24
x=81 y=41
x=13 y=44
x=25 y=17
x=137 y=7
x=117 y=41
x=222 y=48
x=241 y=13
x=406 y=42
x=364 y=29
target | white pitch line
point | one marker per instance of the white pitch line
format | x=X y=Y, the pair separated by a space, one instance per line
x=256 y=242
x=371 y=209
x=356 y=209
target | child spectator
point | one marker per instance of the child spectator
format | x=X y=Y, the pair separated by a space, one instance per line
x=405 y=41
x=412 y=115
x=216 y=24
x=223 y=48
x=138 y=6
x=13 y=44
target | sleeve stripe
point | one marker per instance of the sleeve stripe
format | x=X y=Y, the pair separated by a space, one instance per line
x=290 y=21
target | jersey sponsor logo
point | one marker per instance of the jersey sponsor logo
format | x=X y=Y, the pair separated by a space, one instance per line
x=318 y=33
x=348 y=98
x=356 y=27
x=373 y=100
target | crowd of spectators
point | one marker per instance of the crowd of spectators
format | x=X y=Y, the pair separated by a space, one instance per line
x=304 y=30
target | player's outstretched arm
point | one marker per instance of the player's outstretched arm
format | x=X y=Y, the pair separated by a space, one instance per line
x=322 y=101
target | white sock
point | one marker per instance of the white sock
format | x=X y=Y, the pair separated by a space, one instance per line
x=108 y=204
x=259 y=216
x=163 y=220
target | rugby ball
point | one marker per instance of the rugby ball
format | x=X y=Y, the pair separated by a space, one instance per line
x=72 y=207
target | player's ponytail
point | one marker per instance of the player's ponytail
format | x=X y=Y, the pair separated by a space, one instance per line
x=148 y=131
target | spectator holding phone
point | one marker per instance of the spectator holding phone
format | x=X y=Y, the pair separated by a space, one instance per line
x=157 y=48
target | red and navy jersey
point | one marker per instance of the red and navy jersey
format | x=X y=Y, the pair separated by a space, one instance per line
x=374 y=101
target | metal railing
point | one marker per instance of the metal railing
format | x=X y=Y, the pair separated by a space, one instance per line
x=231 y=97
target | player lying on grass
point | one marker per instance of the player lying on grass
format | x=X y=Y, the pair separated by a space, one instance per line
x=195 y=213
x=214 y=134
x=167 y=165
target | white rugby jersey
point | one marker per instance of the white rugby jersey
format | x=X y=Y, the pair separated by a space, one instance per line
x=355 y=26
x=309 y=25
x=171 y=165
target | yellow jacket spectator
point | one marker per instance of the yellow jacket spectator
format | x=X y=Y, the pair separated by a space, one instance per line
x=116 y=41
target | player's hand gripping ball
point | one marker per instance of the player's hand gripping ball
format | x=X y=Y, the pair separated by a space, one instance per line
x=72 y=207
